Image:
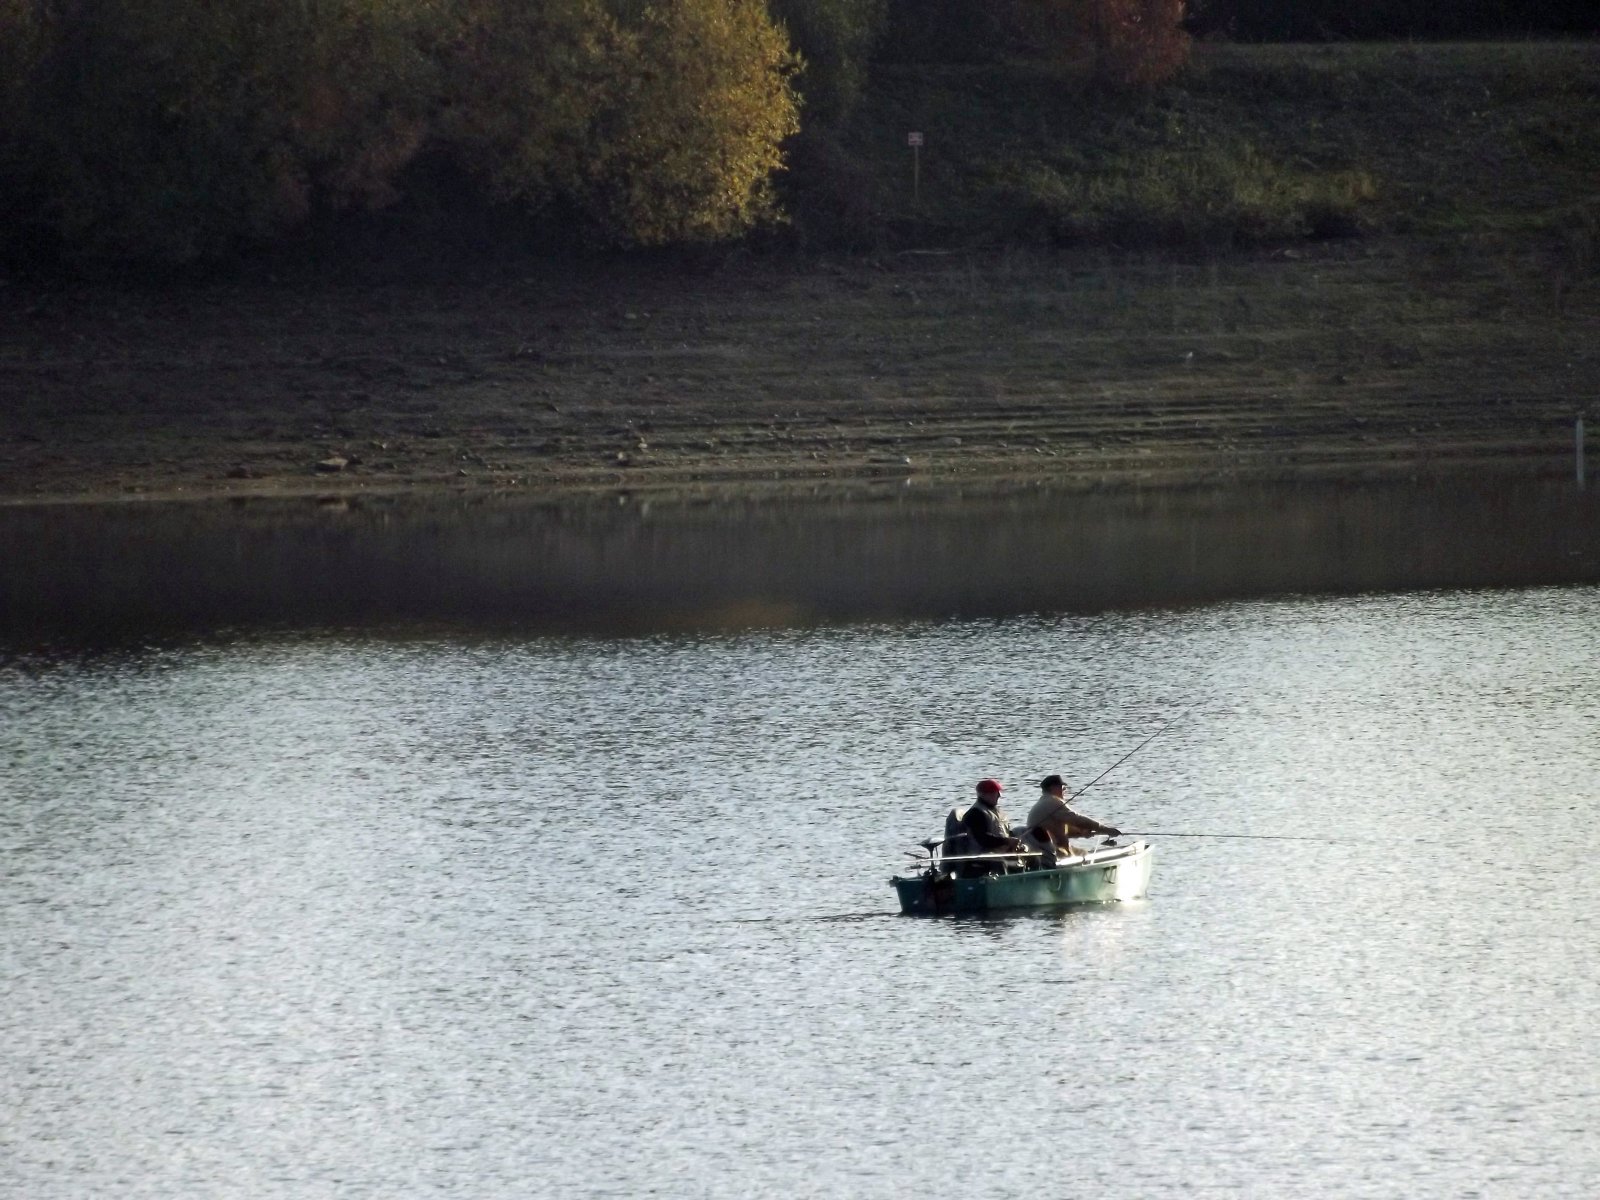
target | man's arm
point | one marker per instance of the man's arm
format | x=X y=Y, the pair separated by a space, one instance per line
x=981 y=828
x=1079 y=825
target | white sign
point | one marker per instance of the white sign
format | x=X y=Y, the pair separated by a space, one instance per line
x=913 y=139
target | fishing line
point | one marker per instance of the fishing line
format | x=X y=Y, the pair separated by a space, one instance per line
x=1136 y=749
x=1265 y=837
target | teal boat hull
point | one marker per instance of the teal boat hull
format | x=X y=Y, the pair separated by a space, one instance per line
x=1104 y=876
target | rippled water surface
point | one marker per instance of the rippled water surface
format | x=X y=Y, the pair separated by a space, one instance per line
x=301 y=915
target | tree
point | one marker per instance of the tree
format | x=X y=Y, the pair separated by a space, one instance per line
x=21 y=48
x=706 y=106
x=655 y=123
x=835 y=40
x=172 y=130
x=177 y=130
x=1123 y=43
x=1316 y=20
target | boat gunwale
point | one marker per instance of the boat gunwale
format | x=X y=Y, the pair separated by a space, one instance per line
x=930 y=878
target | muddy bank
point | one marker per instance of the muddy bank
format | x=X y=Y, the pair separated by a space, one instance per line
x=1090 y=368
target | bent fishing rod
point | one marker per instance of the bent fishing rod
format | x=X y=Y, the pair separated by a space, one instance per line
x=1136 y=749
x=1264 y=837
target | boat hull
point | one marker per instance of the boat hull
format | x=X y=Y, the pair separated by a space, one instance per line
x=1102 y=877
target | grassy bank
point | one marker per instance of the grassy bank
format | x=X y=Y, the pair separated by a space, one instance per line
x=1252 y=144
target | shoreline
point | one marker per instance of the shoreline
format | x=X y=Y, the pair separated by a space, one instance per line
x=1090 y=369
x=797 y=486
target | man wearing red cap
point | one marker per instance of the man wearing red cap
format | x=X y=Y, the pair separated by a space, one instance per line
x=986 y=825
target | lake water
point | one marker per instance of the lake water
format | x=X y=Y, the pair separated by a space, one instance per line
x=350 y=893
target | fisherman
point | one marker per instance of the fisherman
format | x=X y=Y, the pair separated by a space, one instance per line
x=1051 y=823
x=987 y=832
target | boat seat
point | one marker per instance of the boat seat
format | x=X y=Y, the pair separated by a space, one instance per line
x=956 y=839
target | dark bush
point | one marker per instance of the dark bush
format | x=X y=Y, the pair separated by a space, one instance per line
x=835 y=39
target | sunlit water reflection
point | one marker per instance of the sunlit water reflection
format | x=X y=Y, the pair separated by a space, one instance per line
x=313 y=915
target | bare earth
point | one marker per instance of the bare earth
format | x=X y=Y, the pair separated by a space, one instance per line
x=1087 y=368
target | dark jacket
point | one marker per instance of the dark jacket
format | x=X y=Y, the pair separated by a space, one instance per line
x=987 y=827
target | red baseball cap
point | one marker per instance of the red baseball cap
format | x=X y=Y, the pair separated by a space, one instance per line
x=990 y=785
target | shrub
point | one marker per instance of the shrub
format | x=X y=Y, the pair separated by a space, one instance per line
x=175 y=130
x=172 y=131
x=1215 y=196
x=1122 y=43
x=657 y=124
x=942 y=31
x=689 y=152
x=835 y=40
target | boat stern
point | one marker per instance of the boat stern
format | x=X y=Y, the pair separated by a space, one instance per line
x=922 y=895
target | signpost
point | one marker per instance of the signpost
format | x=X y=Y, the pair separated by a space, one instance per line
x=914 y=140
x=1583 y=474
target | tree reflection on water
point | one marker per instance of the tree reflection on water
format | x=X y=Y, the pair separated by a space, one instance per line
x=621 y=565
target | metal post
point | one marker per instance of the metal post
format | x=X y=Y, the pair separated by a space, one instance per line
x=914 y=140
x=1578 y=443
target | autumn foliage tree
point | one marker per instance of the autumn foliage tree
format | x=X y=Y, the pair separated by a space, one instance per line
x=654 y=123
x=1121 y=43
x=694 y=139
x=172 y=129
x=176 y=130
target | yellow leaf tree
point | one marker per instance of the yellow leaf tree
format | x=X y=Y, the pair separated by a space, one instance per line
x=657 y=123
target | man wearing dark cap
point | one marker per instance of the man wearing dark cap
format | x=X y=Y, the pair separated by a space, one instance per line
x=1051 y=823
x=985 y=826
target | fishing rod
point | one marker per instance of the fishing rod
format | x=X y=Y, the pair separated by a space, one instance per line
x=1263 y=837
x=1136 y=749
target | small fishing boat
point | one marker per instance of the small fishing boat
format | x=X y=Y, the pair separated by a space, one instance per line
x=1109 y=872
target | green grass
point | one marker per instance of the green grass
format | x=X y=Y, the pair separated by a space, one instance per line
x=1252 y=144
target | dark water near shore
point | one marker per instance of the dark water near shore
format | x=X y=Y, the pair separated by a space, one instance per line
x=628 y=565
x=356 y=853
